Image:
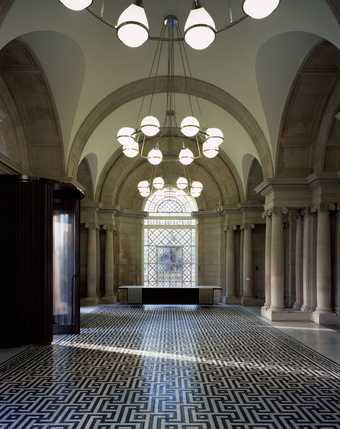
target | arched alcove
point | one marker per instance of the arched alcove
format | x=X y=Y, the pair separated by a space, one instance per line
x=305 y=111
x=118 y=187
x=30 y=121
x=181 y=85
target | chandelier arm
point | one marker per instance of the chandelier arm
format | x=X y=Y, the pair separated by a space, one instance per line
x=160 y=38
x=101 y=19
x=232 y=24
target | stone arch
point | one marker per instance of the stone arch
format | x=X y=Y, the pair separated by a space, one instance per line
x=33 y=109
x=255 y=177
x=307 y=118
x=182 y=85
x=63 y=61
x=117 y=185
x=273 y=85
x=326 y=150
x=4 y=8
x=85 y=176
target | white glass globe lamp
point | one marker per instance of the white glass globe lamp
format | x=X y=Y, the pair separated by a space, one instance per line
x=194 y=193
x=190 y=126
x=132 y=25
x=186 y=156
x=131 y=150
x=150 y=126
x=143 y=185
x=125 y=136
x=145 y=193
x=158 y=183
x=215 y=136
x=260 y=9
x=182 y=183
x=199 y=28
x=155 y=156
x=197 y=186
x=76 y=5
x=210 y=149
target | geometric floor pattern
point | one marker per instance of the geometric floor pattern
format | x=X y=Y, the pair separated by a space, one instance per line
x=170 y=368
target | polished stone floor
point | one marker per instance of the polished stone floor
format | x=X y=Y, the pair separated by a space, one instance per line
x=171 y=367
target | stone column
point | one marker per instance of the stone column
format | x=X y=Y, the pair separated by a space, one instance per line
x=277 y=262
x=247 y=293
x=109 y=265
x=92 y=275
x=337 y=265
x=298 y=264
x=323 y=262
x=268 y=216
x=306 y=261
x=230 y=266
x=291 y=295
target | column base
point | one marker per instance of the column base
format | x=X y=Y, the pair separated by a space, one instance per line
x=297 y=306
x=232 y=300
x=285 y=315
x=326 y=318
x=249 y=301
x=89 y=302
x=109 y=299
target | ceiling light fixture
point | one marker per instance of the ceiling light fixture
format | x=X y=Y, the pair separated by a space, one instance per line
x=260 y=9
x=193 y=188
x=77 y=5
x=200 y=30
x=132 y=25
x=148 y=134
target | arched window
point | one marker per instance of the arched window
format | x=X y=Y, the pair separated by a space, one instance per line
x=170 y=248
x=171 y=202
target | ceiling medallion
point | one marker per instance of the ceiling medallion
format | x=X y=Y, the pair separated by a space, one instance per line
x=146 y=137
x=200 y=31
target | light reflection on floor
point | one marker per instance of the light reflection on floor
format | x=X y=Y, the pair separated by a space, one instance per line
x=171 y=368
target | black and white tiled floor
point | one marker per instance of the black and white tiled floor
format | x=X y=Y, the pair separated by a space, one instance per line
x=171 y=367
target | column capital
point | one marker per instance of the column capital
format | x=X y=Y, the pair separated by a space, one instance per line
x=230 y=228
x=247 y=226
x=91 y=226
x=266 y=213
x=324 y=207
x=306 y=211
x=279 y=210
x=108 y=227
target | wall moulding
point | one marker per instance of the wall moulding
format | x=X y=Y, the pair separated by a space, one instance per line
x=294 y=193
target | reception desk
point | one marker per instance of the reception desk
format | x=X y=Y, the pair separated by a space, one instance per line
x=138 y=294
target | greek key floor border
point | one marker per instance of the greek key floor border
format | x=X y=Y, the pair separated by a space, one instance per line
x=171 y=368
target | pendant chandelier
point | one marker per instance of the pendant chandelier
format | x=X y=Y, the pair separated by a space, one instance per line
x=145 y=139
x=200 y=30
x=184 y=183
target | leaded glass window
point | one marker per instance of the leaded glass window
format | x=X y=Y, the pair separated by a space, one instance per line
x=170 y=240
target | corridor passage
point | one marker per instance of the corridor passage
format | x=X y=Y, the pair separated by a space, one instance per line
x=171 y=367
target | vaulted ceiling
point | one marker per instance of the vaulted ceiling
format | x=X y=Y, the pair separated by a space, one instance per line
x=96 y=82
